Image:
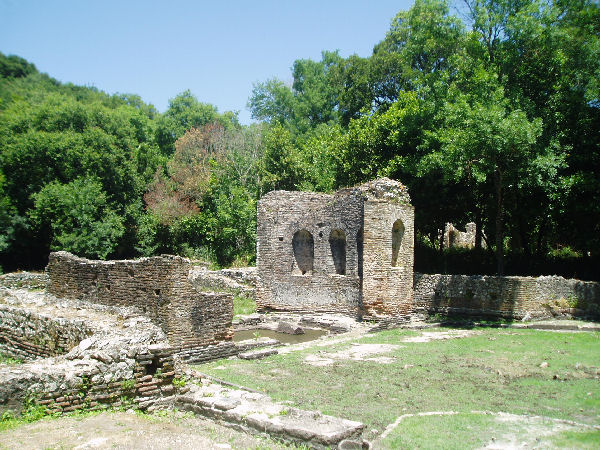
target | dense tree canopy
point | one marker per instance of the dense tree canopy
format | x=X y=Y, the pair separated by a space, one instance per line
x=492 y=117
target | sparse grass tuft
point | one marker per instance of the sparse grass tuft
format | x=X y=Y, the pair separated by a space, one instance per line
x=4 y=359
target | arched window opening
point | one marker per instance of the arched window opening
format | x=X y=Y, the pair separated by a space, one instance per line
x=337 y=243
x=397 y=234
x=303 y=245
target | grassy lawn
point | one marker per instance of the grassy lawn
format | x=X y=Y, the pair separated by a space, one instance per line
x=522 y=372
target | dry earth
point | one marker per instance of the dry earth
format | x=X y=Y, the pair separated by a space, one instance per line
x=128 y=430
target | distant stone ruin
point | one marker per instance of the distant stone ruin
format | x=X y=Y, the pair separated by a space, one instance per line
x=453 y=237
x=350 y=252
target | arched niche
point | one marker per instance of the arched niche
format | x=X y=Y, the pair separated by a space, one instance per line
x=337 y=244
x=303 y=246
x=397 y=235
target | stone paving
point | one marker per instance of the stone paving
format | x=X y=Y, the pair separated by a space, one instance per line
x=258 y=413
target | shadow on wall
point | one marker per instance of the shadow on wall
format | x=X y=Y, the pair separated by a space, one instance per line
x=303 y=246
x=337 y=245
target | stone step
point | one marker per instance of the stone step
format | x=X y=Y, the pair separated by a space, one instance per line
x=258 y=413
x=258 y=354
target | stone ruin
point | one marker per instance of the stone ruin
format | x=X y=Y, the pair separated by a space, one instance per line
x=114 y=332
x=197 y=324
x=350 y=252
x=453 y=237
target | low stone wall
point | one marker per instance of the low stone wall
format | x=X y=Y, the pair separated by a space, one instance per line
x=159 y=287
x=26 y=335
x=507 y=297
x=126 y=360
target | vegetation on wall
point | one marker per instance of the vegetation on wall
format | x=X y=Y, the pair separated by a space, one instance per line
x=493 y=118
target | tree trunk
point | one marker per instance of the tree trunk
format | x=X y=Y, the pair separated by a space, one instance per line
x=499 y=223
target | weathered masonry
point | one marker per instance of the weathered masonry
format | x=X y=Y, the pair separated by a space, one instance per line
x=506 y=297
x=197 y=324
x=350 y=252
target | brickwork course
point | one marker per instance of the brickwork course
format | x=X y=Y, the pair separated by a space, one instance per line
x=350 y=252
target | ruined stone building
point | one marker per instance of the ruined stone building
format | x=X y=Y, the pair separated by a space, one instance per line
x=453 y=237
x=350 y=252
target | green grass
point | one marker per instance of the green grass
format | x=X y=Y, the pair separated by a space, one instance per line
x=476 y=430
x=570 y=439
x=243 y=305
x=4 y=359
x=497 y=370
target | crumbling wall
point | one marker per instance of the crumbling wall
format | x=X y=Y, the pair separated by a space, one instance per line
x=302 y=262
x=26 y=335
x=120 y=358
x=507 y=297
x=160 y=288
x=25 y=280
x=453 y=237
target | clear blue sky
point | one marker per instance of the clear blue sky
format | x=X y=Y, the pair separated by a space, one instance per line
x=157 y=49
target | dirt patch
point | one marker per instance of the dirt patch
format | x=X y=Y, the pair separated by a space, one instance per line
x=529 y=431
x=428 y=336
x=122 y=430
x=357 y=352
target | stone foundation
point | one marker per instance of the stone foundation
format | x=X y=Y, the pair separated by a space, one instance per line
x=26 y=335
x=24 y=280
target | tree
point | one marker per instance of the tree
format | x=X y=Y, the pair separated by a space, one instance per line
x=77 y=218
x=13 y=66
x=484 y=141
x=272 y=102
x=280 y=166
x=184 y=113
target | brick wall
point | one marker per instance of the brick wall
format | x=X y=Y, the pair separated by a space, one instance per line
x=158 y=286
x=507 y=297
x=387 y=288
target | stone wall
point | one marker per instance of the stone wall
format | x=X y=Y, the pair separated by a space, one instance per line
x=159 y=287
x=337 y=253
x=111 y=355
x=507 y=297
x=453 y=237
x=25 y=280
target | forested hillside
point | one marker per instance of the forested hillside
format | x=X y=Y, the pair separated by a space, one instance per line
x=492 y=118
